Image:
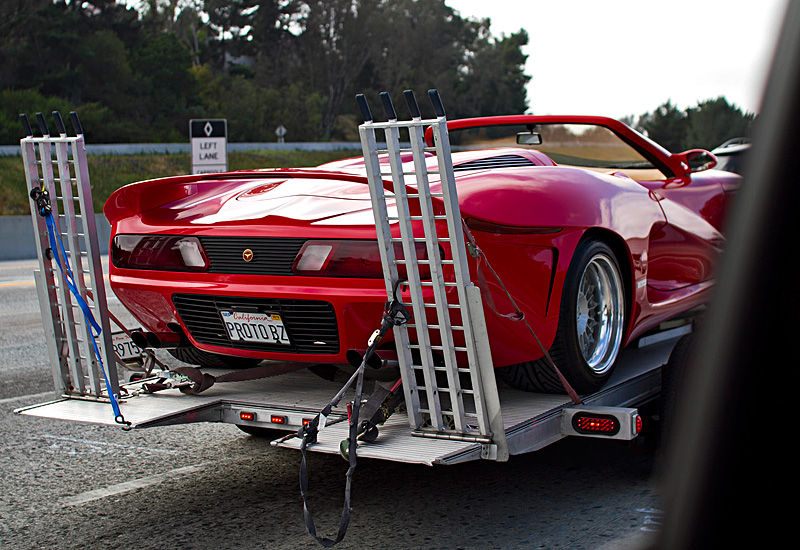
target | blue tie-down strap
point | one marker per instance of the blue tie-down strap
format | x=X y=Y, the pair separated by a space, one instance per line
x=57 y=246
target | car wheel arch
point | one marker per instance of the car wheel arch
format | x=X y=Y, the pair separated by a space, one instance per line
x=606 y=252
x=622 y=254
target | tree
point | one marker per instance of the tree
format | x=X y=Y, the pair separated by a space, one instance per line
x=14 y=102
x=495 y=84
x=714 y=121
x=421 y=45
x=335 y=45
x=666 y=125
x=141 y=73
x=164 y=87
x=230 y=19
x=192 y=32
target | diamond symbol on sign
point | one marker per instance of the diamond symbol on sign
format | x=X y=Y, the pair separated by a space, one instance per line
x=208 y=129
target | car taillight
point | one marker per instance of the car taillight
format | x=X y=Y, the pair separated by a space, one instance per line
x=158 y=252
x=351 y=258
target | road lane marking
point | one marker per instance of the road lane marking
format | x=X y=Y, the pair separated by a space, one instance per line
x=128 y=486
x=17 y=283
x=33 y=396
x=28 y=266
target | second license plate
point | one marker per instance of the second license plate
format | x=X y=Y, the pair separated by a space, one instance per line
x=125 y=349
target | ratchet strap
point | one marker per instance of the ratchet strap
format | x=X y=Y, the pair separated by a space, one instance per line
x=396 y=314
x=44 y=209
x=377 y=410
x=201 y=381
x=517 y=315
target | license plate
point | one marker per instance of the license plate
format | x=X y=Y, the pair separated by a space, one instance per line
x=265 y=328
x=125 y=349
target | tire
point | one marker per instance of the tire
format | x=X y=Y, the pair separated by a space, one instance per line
x=590 y=327
x=194 y=356
x=672 y=377
x=262 y=433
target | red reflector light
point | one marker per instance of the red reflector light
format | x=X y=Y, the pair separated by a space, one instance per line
x=638 y=424
x=600 y=424
x=247 y=416
x=276 y=419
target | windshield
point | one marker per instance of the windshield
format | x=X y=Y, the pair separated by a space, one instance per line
x=584 y=145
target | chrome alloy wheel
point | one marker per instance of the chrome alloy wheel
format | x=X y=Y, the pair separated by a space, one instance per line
x=599 y=313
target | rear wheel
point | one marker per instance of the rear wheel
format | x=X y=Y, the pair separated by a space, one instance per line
x=672 y=376
x=590 y=327
x=194 y=356
x=261 y=433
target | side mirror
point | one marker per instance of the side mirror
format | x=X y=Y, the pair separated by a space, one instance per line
x=529 y=138
x=696 y=160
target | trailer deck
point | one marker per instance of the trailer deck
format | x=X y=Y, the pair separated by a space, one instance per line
x=532 y=421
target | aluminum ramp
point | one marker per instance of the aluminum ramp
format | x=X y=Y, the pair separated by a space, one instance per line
x=57 y=165
x=445 y=361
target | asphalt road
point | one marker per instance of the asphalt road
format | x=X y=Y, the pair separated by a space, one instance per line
x=209 y=486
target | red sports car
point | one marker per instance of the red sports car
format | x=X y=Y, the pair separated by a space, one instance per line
x=598 y=233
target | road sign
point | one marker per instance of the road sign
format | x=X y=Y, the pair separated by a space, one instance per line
x=209 y=139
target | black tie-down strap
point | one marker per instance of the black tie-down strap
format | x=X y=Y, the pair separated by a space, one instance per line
x=396 y=314
x=377 y=410
x=196 y=381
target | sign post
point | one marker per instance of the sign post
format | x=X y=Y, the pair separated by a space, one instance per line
x=209 y=139
x=280 y=131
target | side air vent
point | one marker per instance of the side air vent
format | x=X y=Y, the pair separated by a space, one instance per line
x=501 y=161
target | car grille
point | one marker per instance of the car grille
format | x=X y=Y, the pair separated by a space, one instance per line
x=270 y=256
x=311 y=324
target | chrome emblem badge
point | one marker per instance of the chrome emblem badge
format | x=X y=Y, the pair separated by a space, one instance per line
x=247 y=255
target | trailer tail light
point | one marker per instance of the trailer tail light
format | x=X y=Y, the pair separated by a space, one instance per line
x=277 y=419
x=595 y=424
x=248 y=416
x=307 y=421
x=598 y=421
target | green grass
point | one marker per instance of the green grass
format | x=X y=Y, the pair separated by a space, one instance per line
x=110 y=172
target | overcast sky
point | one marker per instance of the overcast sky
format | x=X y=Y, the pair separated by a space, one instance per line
x=627 y=57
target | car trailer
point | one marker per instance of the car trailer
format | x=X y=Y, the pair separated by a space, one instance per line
x=454 y=409
x=454 y=412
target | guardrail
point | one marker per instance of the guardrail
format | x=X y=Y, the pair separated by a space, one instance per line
x=178 y=148
x=17 y=240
